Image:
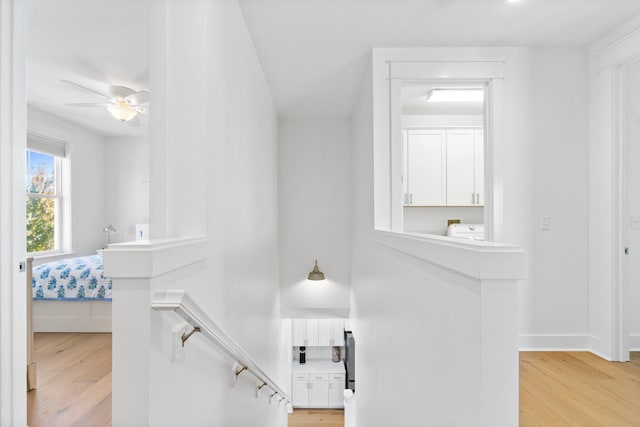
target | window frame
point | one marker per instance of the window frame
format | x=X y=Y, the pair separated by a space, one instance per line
x=391 y=67
x=62 y=209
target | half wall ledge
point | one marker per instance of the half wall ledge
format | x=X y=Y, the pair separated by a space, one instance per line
x=476 y=259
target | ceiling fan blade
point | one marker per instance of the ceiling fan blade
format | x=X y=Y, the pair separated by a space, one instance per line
x=88 y=104
x=76 y=85
x=135 y=122
x=120 y=92
x=138 y=98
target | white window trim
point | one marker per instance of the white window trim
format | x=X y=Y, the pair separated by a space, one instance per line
x=452 y=65
x=57 y=149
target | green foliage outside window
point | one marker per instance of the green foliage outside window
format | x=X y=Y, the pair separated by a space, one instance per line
x=41 y=210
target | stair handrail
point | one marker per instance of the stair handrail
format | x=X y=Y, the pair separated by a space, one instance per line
x=178 y=301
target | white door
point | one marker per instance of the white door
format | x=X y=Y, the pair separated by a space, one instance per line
x=631 y=213
x=460 y=168
x=13 y=289
x=426 y=171
x=478 y=157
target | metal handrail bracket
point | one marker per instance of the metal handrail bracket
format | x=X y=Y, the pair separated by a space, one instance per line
x=179 y=302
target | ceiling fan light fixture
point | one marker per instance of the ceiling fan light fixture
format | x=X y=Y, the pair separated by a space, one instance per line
x=122 y=111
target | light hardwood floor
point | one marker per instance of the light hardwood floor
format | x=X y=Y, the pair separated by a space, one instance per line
x=557 y=389
x=578 y=389
x=74 y=381
x=316 y=418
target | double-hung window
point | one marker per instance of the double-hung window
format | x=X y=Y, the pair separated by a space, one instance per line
x=44 y=196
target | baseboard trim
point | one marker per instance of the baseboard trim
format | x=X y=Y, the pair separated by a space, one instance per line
x=634 y=342
x=554 y=342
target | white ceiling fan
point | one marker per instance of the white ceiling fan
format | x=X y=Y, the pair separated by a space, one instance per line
x=122 y=102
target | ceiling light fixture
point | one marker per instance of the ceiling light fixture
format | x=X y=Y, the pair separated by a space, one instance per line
x=316 y=274
x=455 y=95
x=122 y=111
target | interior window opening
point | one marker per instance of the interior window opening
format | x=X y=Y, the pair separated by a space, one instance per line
x=442 y=128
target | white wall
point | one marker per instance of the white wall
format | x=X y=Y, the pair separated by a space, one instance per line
x=86 y=154
x=554 y=302
x=631 y=136
x=410 y=347
x=220 y=153
x=433 y=220
x=541 y=170
x=315 y=216
x=126 y=185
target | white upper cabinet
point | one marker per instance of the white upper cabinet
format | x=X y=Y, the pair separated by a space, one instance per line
x=460 y=168
x=444 y=167
x=426 y=173
x=299 y=332
x=318 y=332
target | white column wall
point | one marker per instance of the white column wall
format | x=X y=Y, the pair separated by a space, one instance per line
x=213 y=172
x=314 y=173
x=554 y=302
x=126 y=195
x=423 y=332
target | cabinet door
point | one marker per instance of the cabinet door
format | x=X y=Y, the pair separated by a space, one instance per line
x=300 y=394
x=336 y=394
x=426 y=172
x=312 y=331
x=325 y=337
x=337 y=332
x=319 y=394
x=460 y=168
x=478 y=152
x=299 y=332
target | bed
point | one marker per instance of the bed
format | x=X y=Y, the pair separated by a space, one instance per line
x=71 y=295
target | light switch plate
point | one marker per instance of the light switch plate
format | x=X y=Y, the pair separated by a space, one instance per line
x=635 y=222
x=545 y=223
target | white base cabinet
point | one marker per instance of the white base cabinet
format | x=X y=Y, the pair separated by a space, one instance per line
x=336 y=390
x=318 y=390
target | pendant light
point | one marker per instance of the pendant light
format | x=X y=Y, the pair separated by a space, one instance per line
x=316 y=274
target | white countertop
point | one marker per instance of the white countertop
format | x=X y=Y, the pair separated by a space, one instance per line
x=318 y=366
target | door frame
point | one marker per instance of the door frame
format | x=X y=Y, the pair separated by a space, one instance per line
x=13 y=136
x=610 y=332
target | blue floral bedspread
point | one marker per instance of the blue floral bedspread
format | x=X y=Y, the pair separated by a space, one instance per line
x=71 y=279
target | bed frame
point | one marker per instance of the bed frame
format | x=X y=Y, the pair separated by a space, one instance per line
x=68 y=316
x=71 y=316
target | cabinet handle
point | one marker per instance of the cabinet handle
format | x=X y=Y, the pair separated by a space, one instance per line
x=477 y=198
x=410 y=198
x=305 y=342
x=473 y=198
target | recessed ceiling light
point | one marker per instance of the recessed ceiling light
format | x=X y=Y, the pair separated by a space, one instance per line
x=514 y=1
x=455 y=95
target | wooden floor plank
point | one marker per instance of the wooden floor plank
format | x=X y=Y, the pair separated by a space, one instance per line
x=557 y=389
x=74 y=380
x=578 y=389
